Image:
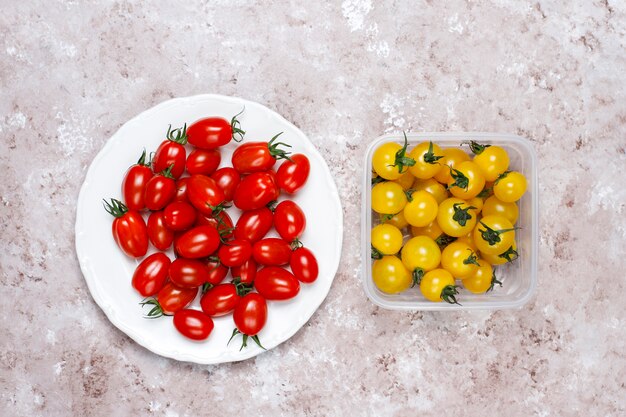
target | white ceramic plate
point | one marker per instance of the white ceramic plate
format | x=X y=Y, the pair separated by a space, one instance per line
x=108 y=271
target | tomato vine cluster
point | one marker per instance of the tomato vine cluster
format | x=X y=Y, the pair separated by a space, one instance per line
x=458 y=212
x=186 y=198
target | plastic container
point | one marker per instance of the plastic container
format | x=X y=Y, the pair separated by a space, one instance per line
x=519 y=278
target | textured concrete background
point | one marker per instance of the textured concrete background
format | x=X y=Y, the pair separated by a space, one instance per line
x=72 y=72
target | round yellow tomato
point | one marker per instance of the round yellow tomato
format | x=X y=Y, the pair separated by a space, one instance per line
x=426 y=156
x=509 y=255
x=451 y=157
x=388 y=198
x=510 y=187
x=459 y=259
x=421 y=210
x=455 y=217
x=386 y=239
x=433 y=187
x=492 y=160
x=494 y=235
x=494 y=206
x=390 y=275
x=390 y=160
x=476 y=202
x=468 y=239
x=406 y=180
x=481 y=279
x=432 y=230
x=438 y=285
x=397 y=220
x=420 y=254
x=467 y=180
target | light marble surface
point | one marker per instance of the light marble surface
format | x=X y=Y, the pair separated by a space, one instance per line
x=344 y=72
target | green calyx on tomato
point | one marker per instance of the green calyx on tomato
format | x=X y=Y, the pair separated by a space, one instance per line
x=242 y=288
x=377 y=180
x=376 y=253
x=275 y=150
x=386 y=217
x=416 y=276
x=115 y=208
x=494 y=281
x=471 y=259
x=177 y=135
x=461 y=216
x=492 y=236
x=296 y=244
x=501 y=176
x=142 y=159
x=510 y=255
x=476 y=147
x=215 y=210
x=402 y=160
x=430 y=157
x=156 y=311
x=245 y=339
x=167 y=172
x=449 y=293
x=444 y=240
x=486 y=192
x=460 y=180
x=206 y=286
x=235 y=126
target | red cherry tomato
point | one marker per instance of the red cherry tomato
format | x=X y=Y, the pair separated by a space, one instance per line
x=258 y=156
x=151 y=274
x=220 y=300
x=213 y=132
x=134 y=183
x=293 y=173
x=255 y=191
x=275 y=283
x=227 y=179
x=160 y=236
x=271 y=251
x=204 y=193
x=181 y=190
x=199 y=242
x=250 y=314
x=253 y=225
x=203 y=161
x=304 y=265
x=217 y=271
x=160 y=190
x=245 y=272
x=179 y=215
x=221 y=221
x=188 y=273
x=193 y=324
x=171 y=152
x=128 y=228
x=172 y=298
x=235 y=252
x=289 y=220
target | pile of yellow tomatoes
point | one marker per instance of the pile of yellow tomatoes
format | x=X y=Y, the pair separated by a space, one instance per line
x=458 y=211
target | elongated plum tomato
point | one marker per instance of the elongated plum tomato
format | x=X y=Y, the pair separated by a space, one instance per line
x=245 y=272
x=213 y=132
x=217 y=271
x=304 y=265
x=271 y=251
x=172 y=298
x=128 y=228
x=289 y=220
x=235 y=252
x=253 y=225
x=204 y=193
x=258 y=156
x=181 y=190
x=276 y=283
x=255 y=191
x=160 y=236
x=160 y=190
x=293 y=173
x=151 y=274
x=171 y=152
x=227 y=179
x=199 y=242
x=179 y=215
x=250 y=314
x=134 y=183
x=203 y=161
x=188 y=273
x=193 y=324
x=220 y=300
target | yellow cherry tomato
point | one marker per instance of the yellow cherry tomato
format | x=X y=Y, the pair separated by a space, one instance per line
x=509 y=255
x=387 y=239
x=433 y=187
x=432 y=230
x=406 y=180
x=482 y=279
x=420 y=254
x=390 y=275
x=455 y=217
x=426 y=156
x=467 y=180
x=494 y=206
x=390 y=160
x=421 y=210
x=459 y=259
x=438 y=285
x=468 y=239
x=510 y=187
x=388 y=198
x=476 y=202
x=397 y=219
x=451 y=157
x=492 y=160
x=493 y=235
